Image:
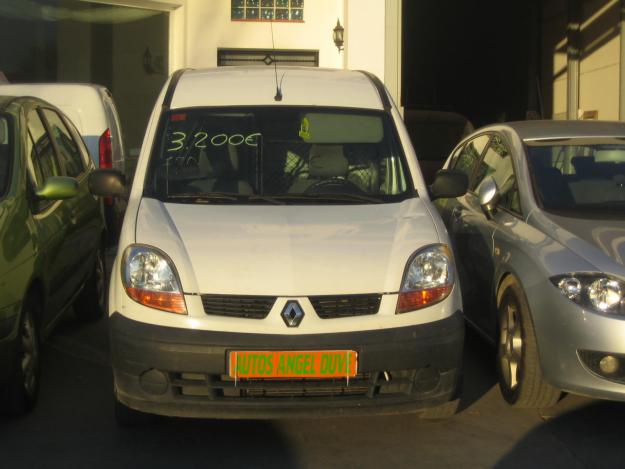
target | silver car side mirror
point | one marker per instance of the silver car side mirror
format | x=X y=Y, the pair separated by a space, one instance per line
x=488 y=195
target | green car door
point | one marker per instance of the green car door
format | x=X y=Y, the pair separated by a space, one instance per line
x=16 y=230
x=81 y=213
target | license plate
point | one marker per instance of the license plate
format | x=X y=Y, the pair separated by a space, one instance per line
x=293 y=364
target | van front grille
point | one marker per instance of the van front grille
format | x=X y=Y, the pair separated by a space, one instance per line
x=251 y=307
x=343 y=306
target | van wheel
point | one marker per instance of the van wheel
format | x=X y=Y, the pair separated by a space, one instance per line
x=91 y=302
x=22 y=389
x=518 y=364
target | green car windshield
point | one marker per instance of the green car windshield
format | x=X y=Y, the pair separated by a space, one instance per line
x=5 y=155
x=277 y=155
x=585 y=175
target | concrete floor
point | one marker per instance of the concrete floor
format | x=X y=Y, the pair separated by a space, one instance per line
x=73 y=426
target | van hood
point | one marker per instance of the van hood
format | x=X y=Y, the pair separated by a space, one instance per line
x=287 y=250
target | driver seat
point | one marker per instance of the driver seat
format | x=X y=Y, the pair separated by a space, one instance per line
x=324 y=162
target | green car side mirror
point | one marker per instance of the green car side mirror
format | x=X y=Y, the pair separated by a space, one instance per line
x=57 y=188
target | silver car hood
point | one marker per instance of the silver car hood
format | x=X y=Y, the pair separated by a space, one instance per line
x=600 y=242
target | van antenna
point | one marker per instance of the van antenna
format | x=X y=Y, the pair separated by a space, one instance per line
x=278 y=96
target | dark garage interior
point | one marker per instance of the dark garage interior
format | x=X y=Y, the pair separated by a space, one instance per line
x=479 y=58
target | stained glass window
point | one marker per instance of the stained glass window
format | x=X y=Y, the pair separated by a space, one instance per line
x=267 y=10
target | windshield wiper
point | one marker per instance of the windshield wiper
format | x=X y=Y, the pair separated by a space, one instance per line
x=266 y=198
x=329 y=197
x=198 y=197
x=225 y=196
x=346 y=197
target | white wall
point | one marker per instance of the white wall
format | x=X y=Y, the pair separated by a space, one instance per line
x=208 y=27
x=365 y=32
x=372 y=33
x=599 y=67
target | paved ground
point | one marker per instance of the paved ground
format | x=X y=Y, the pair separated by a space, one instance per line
x=73 y=426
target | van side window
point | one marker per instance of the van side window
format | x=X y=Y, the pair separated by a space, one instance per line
x=69 y=152
x=470 y=155
x=40 y=150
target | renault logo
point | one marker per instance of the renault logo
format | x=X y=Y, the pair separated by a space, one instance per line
x=292 y=314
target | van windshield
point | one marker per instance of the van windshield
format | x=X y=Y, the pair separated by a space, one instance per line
x=5 y=155
x=277 y=155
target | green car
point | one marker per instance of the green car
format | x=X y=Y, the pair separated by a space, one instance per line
x=51 y=233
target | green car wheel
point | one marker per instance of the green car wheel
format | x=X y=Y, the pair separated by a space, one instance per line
x=20 y=394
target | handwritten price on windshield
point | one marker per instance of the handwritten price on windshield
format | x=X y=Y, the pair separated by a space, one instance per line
x=200 y=140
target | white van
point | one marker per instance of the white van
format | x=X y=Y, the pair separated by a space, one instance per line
x=280 y=254
x=92 y=110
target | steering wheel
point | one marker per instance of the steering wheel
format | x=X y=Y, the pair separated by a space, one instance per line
x=333 y=185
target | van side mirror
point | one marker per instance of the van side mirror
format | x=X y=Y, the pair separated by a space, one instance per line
x=58 y=188
x=488 y=195
x=108 y=183
x=448 y=184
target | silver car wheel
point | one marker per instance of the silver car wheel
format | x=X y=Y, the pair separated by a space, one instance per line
x=511 y=344
x=30 y=354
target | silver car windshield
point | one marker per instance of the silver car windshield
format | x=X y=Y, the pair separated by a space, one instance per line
x=277 y=155
x=5 y=155
x=578 y=174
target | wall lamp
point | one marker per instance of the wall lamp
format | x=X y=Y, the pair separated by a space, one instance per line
x=337 y=35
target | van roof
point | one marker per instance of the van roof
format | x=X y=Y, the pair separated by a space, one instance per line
x=256 y=86
x=81 y=102
x=69 y=91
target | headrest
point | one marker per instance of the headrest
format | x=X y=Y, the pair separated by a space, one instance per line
x=327 y=161
x=582 y=161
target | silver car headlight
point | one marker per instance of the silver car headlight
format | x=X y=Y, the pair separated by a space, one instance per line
x=596 y=291
x=428 y=278
x=150 y=278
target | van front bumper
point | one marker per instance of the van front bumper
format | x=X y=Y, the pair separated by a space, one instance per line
x=183 y=372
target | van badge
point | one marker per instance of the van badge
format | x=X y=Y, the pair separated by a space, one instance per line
x=292 y=314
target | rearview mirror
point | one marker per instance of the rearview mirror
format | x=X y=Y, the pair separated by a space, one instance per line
x=108 y=183
x=58 y=188
x=449 y=183
x=488 y=195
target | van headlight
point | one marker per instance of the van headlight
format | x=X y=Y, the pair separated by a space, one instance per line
x=596 y=291
x=150 y=278
x=428 y=279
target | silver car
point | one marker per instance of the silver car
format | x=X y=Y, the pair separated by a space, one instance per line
x=540 y=245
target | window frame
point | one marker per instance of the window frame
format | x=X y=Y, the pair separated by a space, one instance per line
x=479 y=159
x=10 y=166
x=82 y=174
x=245 y=7
x=506 y=143
x=39 y=205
